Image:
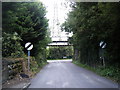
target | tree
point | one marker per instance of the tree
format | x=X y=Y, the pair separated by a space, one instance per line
x=92 y=23
x=59 y=52
x=28 y=21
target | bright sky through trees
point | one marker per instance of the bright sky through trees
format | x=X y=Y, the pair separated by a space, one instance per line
x=57 y=13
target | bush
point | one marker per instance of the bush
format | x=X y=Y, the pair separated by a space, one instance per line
x=11 y=46
x=110 y=72
x=33 y=65
x=59 y=52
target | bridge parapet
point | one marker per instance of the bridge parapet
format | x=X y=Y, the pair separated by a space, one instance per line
x=59 y=43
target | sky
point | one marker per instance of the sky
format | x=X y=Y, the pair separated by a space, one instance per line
x=57 y=13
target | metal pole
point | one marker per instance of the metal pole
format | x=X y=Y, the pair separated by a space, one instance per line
x=28 y=60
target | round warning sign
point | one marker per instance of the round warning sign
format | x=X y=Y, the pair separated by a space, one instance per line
x=29 y=46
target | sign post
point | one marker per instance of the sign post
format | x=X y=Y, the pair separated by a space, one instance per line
x=29 y=47
x=102 y=45
x=28 y=60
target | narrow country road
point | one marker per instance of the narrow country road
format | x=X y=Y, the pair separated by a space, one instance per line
x=64 y=74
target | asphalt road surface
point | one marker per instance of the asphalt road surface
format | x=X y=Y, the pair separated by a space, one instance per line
x=64 y=74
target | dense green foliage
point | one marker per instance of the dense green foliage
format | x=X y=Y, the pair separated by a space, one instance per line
x=59 y=52
x=22 y=23
x=92 y=23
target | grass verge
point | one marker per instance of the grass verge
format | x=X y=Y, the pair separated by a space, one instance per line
x=108 y=72
x=35 y=69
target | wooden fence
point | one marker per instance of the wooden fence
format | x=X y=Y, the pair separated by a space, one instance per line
x=10 y=68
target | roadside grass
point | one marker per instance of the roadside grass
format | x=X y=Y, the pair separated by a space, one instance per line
x=41 y=66
x=35 y=68
x=108 y=72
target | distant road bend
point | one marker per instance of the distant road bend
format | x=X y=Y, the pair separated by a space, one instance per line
x=64 y=74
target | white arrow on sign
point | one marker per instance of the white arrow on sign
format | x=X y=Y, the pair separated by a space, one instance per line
x=29 y=46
